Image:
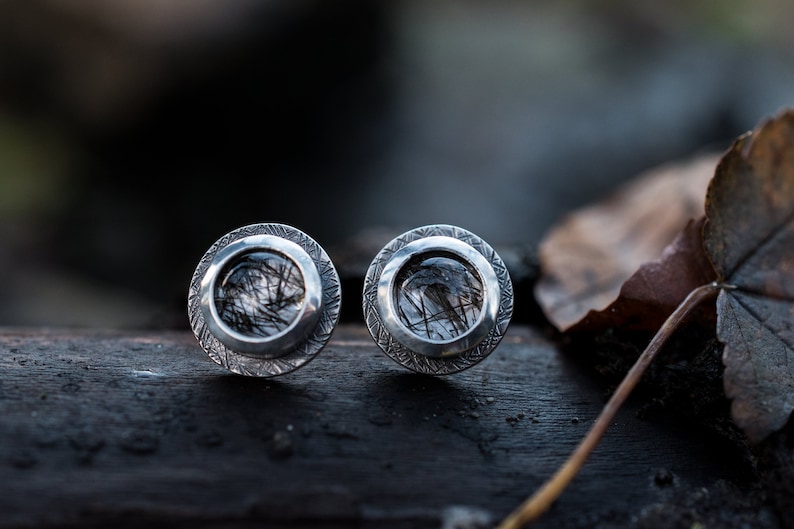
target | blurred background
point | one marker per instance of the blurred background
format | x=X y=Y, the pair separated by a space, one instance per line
x=134 y=133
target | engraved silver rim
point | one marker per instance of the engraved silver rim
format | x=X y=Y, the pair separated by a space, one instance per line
x=420 y=353
x=308 y=331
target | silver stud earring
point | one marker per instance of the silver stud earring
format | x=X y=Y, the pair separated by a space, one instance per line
x=264 y=300
x=437 y=299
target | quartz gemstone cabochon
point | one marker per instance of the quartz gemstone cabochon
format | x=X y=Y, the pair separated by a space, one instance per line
x=259 y=293
x=438 y=297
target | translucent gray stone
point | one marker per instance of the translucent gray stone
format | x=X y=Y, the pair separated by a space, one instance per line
x=438 y=297
x=259 y=294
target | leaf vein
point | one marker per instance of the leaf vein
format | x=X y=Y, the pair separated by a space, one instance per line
x=762 y=294
x=762 y=322
x=740 y=330
x=761 y=244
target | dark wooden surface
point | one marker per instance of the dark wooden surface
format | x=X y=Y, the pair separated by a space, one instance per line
x=121 y=429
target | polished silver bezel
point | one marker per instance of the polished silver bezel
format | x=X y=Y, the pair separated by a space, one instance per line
x=293 y=346
x=437 y=356
x=282 y=342
x=435 y=245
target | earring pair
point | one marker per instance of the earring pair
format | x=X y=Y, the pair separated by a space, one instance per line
x=265 y=299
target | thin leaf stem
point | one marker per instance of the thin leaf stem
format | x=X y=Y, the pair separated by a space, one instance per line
x=539 y=502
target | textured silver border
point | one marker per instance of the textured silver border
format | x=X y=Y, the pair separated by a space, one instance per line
x=240 y=363
x=416 y=361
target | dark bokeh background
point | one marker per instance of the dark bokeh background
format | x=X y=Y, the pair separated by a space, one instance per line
x=134 y=133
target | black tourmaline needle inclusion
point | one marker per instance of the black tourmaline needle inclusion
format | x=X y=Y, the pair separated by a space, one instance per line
x=259 y=294
x=438 y=297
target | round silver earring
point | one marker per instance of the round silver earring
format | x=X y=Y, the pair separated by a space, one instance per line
x=264 y=300
x=437 y=299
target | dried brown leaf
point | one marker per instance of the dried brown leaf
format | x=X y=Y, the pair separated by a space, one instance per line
x=613 y=263
x=649 y=296
x=750 y=239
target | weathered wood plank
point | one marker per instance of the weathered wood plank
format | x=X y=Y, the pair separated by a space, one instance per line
x=136 y=429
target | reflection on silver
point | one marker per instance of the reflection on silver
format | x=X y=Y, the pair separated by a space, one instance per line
x=437 y=299
x=264 y=300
